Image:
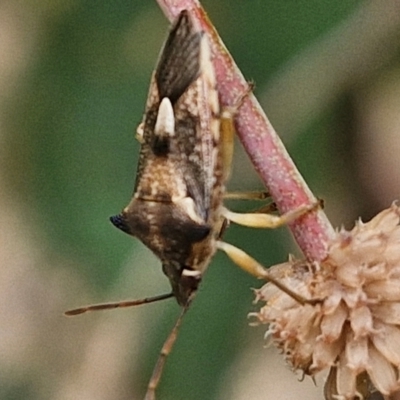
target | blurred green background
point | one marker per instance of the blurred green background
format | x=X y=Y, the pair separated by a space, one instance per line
x=74 y=77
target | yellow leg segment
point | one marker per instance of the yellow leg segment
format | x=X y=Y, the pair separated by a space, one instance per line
x=246 y=195
x=259 y=220
x=227 y=131
x=252 y=267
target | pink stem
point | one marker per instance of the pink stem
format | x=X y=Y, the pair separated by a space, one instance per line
x=265 y=149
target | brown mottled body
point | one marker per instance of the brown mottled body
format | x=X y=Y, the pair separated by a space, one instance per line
x=176 y=207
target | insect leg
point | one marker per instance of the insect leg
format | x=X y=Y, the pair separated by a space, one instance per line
x=253 y=267
x=246 y=195
x=165 y=351
x=227 y=131
x=269 y=207
x=261 y=220
x=258 y=219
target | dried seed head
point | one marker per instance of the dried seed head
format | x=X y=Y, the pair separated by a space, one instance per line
x=355 y=329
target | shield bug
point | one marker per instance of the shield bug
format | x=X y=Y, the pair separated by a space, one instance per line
x=186 y=149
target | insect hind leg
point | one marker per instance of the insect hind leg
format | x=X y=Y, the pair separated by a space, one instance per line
x=255 y=195
x=227 y=129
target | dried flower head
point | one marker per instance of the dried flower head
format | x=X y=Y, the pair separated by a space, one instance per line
x=354 y=330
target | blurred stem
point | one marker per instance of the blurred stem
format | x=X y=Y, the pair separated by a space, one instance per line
x=265 y=149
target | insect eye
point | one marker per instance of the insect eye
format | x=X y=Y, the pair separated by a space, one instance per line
x=119 y=221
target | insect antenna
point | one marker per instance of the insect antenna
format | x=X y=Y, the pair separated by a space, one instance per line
x=165 y=351
x=119 y=304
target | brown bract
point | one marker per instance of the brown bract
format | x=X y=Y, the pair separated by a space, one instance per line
x=354 y=330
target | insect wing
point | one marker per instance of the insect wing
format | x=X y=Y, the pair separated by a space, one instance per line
x=185 y=76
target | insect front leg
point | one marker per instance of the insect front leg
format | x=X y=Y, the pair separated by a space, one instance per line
x=253 y=267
